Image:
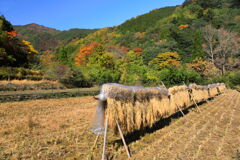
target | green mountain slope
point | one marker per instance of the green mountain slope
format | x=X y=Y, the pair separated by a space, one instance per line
x=73 y=34
x=45 y=38
x=167 y=44
x=145 y=21
x=160 y=30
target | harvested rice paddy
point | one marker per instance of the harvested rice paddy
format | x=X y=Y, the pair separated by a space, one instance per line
x=59 y=129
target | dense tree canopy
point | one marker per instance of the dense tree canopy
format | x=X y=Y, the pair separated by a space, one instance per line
x=192 y=42
x=13 y=51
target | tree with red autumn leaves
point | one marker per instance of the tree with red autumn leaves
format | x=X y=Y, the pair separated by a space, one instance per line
x=82 y=57
x=12 y=34
x=138 y=51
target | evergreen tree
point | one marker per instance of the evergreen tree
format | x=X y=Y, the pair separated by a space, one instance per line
x=5 y=25
x=197 y=51
x=63 y=56
x=210 y=3
x=13 y=51
x=235 y=3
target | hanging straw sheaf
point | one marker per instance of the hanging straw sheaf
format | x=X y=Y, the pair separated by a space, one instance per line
x=179 y=98
x=222 y=87
x=215 y=89
x=137 y=107
x=198 y=93
x=134 y=107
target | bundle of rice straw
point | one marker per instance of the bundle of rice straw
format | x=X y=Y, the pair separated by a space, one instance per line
x=134 y=107
x=179 y=97
x=221 y=87
x=137 y=107
x=198 y=93
x=213 y=90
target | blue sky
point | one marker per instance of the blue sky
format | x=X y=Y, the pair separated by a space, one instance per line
x=66 y=14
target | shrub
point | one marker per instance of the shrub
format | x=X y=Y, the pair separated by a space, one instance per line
x=19 y=73
x=77 y=79
x=173 y=76
x=94 y=74
x=232 y=79
x=58 y=72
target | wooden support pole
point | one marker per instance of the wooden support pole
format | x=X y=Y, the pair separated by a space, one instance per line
x=105 y=138
x=180 y=110
x=125 y=145
x=175 y=104
x=163 y=84
x=196 y=104
x=207 y=101
x=95 y=142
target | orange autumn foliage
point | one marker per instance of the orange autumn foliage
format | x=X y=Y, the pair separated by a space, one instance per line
x=203 y=67
x=81 y=57
x=138 y=51
x=166 y=59
x=48 y=59
x=12 y=34
x=181 y=27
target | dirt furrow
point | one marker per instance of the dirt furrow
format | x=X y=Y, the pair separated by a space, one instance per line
x=205 y=149
x=194 y=134
x=189 y=141
x=182 y=129
x=169 y=132
x=229 y=143
x=196 y=146
x=198 y=128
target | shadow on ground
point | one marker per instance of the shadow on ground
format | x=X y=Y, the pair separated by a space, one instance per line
x=136 y=135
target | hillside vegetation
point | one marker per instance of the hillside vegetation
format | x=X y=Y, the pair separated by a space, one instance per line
x=14 y=52
x=173 y=44
x=143 y=22
x=196 y=42
x=45 y=38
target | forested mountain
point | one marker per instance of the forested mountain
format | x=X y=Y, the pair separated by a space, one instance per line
x=198 y=41
x=169 y=29
x=143 y=22
x=14 y=52
x=45 y=38
x=171 y=36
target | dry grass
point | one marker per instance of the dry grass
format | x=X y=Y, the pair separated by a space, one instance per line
x=222 y=87
x=199 y=93
x=137 y=107
x=213 y=92
x=179 y=97
x=59 y=129
x=46 y=129
x=14 y=85
x=212 y=134
x=26 y=82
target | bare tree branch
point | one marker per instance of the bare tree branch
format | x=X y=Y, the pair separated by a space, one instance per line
x=220 y=45
x=209 y=35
